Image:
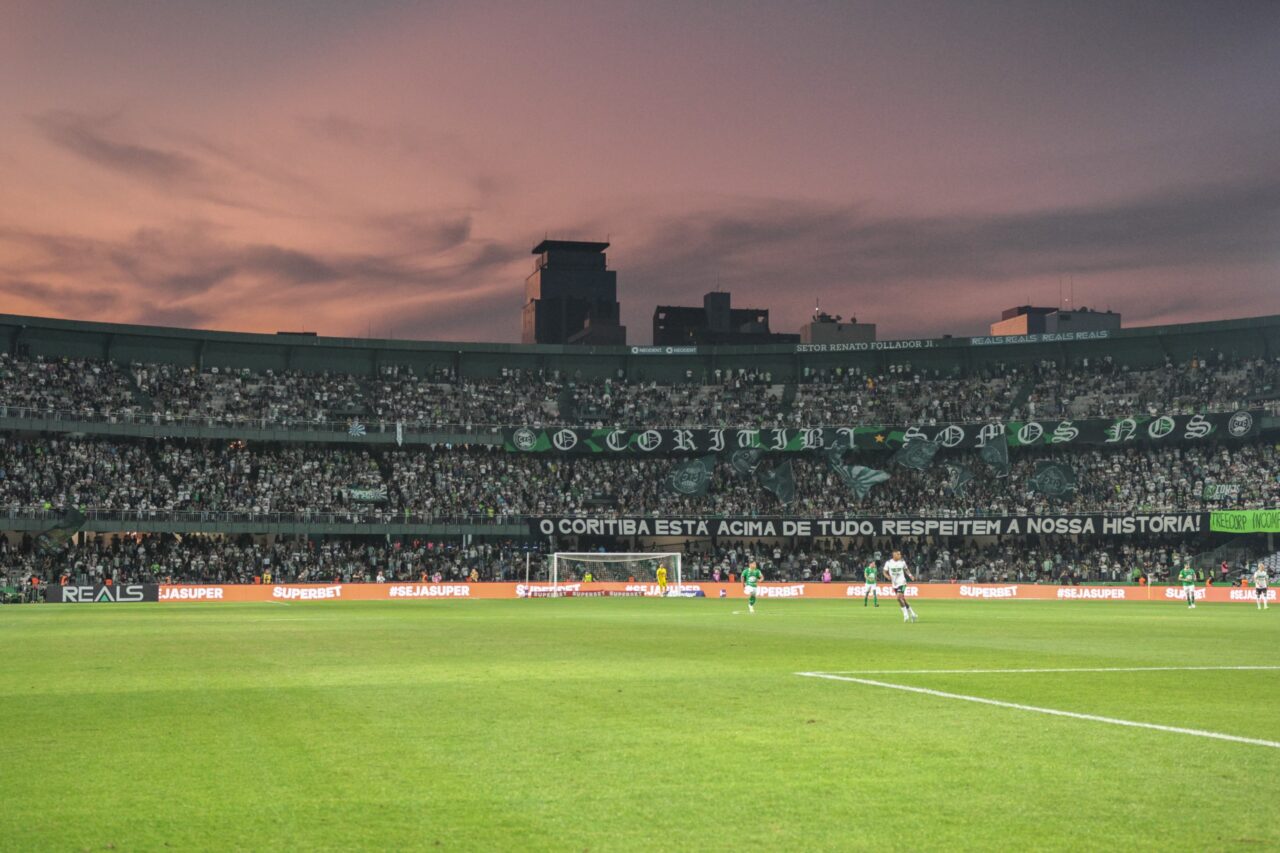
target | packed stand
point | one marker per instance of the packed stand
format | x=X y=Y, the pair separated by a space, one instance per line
x=242 y=397
x=70 y=387
x=494 y=483
x=149 y=479
x=902 y=394
x=156 y=479
x=1043 y=559
x=1102 y=389
x=422 y=402
x=163 y=558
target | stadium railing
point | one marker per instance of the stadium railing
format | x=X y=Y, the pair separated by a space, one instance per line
x=378 y=429
x=373 y=519
x=154 y=425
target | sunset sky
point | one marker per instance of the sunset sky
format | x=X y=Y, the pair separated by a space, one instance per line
x=386 y=167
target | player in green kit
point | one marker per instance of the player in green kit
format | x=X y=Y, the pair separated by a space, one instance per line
x=750 y=579
x=1188 y=578
x=870 y=575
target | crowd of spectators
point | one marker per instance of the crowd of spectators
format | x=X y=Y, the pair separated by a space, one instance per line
x=520 y=397
x=156 y=479
x=164 y=558
x=320 y=482
x=286 y=398
x=93 y=390
x=1101 y=389
x=438 y=399
x=153 y=479
x=1043 y=559
x=292 y=479
x=492 y=483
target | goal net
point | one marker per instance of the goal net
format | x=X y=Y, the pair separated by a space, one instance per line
x=641 y=568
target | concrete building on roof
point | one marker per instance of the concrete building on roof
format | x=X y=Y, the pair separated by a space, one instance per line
x=571 y=297
x=717 y=322
x=1033 y=320
x=827 y=329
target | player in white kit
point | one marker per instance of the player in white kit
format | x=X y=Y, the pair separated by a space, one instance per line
x=1260 y=581
x=895 y=569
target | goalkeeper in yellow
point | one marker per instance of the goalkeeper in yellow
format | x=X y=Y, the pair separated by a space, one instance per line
x=662 y=580
x=750 y=580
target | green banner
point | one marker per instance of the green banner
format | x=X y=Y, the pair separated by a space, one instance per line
x=920 y=440
x=1245 y=521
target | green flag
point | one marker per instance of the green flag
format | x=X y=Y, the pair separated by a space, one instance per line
x=692 y=477
x=835 y=454
x=916 y=454
x=860 y=478
x=745 y=460
x=996 y=454
x=960 y=477
x=54 y=540
x=780 y=480
x=1053 y=480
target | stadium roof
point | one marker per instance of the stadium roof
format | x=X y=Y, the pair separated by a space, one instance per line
x=72 y=336
x=568 y=246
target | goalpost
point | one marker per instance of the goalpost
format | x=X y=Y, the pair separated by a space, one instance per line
x=642 y=567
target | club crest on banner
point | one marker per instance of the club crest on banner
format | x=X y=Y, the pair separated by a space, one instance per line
x=1241 y=424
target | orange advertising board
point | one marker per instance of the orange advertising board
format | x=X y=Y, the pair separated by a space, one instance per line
x=287 y=593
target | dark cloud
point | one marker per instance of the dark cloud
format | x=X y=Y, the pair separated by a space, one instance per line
x=154 y=275
x=483 y=314
x=96 y=139
x=762 y=250
x=87 y=137
x=400 y=139
x=421 y=232
x=86 y=300
x=181 y=316
x=279 y=265
x=913 y=275
x=412 y=143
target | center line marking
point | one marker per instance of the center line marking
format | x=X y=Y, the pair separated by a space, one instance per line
x=1051 y=711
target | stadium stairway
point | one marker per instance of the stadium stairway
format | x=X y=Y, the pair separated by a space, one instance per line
x=142 y=398
x=788 y=396
x=1020 y=399
x=389 y=480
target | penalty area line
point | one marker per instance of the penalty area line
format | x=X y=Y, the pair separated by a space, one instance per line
x=1093 y=718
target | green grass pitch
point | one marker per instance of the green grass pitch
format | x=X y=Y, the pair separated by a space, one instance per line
x=632 y=724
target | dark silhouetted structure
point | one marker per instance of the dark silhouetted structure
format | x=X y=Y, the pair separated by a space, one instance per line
x=714 y=323
x=571 y=297
x=1032 y=320
x=826 y=329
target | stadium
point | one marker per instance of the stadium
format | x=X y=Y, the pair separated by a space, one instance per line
x=326 y=573
x=654 y=426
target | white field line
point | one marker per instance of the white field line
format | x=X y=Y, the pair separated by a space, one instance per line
x=1051 y=711
x=1056 y=669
